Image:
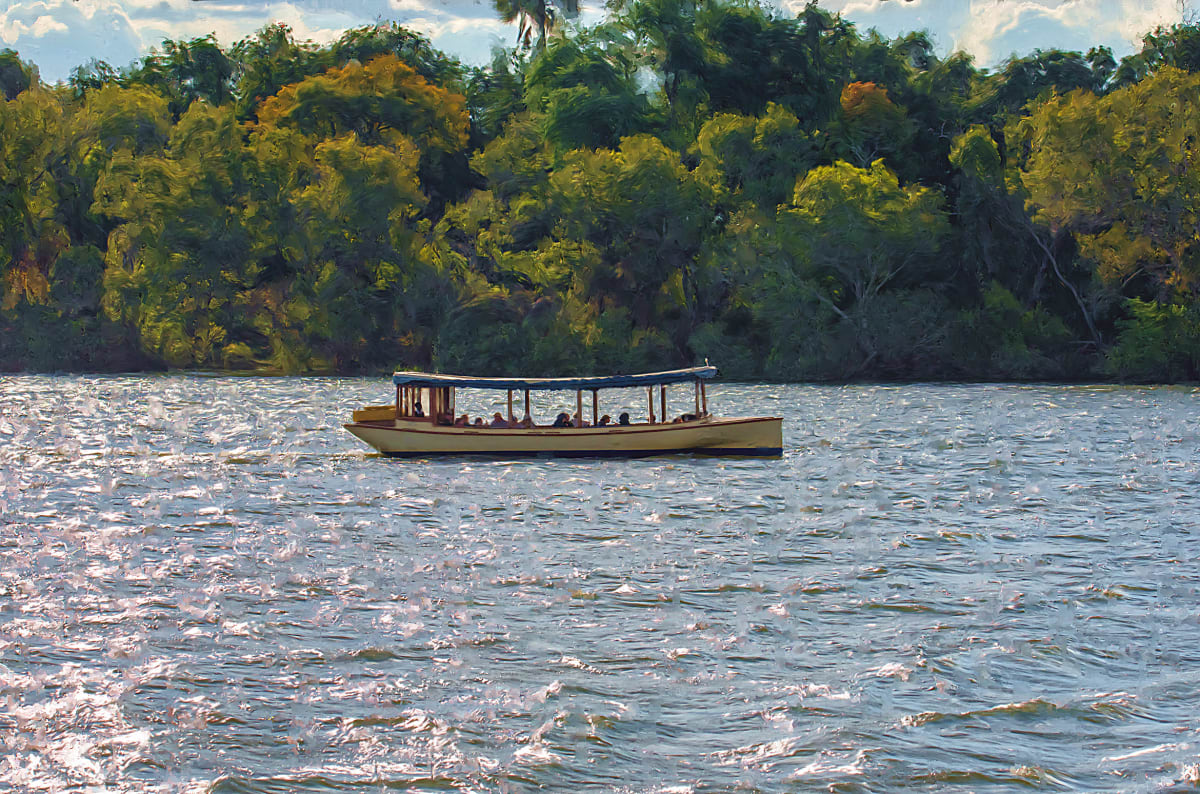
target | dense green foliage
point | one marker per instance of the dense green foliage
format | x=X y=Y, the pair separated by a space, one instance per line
x=788 y=197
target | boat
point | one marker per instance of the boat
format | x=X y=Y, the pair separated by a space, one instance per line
x=422 y=420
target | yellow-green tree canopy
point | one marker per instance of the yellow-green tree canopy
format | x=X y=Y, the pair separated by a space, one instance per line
x=379 y=101
x=1122 y=172
x=681 y=181
x=864 y=230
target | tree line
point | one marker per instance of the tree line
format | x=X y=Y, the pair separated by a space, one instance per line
x=788 y=197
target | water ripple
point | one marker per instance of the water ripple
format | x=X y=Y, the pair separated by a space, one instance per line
x=205 y=584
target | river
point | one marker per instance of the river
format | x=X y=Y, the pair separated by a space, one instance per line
x=206 y=584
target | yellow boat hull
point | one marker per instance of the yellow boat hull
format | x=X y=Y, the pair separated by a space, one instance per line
x=708 y=436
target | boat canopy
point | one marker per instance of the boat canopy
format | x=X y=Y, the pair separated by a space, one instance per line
x=427 y=379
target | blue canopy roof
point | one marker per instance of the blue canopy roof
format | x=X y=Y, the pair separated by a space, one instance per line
x=608 y=382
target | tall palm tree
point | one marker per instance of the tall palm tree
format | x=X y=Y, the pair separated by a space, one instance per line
x=535 y=15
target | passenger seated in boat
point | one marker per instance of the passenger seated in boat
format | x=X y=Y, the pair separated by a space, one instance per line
x=417 y=409
x=685 y=418
x=605 y=421
x=445 y=419
x=479 y=421
x=498 y=420
x=623 y=420
x=562 y=420
x=578 y=421
x=462 y=421
x=526 y=421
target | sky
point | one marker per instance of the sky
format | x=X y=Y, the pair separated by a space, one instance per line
x=58 y=35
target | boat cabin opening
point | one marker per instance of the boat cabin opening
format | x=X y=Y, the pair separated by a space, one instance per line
x=437 y=405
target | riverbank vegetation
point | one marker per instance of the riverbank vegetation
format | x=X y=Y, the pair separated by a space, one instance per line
x=791 y=198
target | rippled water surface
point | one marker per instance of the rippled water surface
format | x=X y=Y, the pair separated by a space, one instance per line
x=206 y=584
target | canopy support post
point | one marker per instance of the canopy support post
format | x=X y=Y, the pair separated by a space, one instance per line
x=595 y=407
x=663 y=394
x=703 y=400
x=650 y=397
x=527 y=417
x=510 y=416
x=397 y=401
x=698 y=414
x=579 y=408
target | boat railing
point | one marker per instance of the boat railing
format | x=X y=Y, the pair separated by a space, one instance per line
x=431 y=398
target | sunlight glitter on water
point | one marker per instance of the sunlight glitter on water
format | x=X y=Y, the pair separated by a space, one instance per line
x=206 y=584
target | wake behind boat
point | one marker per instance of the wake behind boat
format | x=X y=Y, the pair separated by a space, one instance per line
x=423 y=422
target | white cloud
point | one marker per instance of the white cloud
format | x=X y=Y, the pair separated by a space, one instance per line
x=991 y=22
x=46 y=24
x=991 y=30
x=60 y=34
x=999 y=28
x=459 y=35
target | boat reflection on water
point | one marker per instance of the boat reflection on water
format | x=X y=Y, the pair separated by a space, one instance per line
x=422 y=420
